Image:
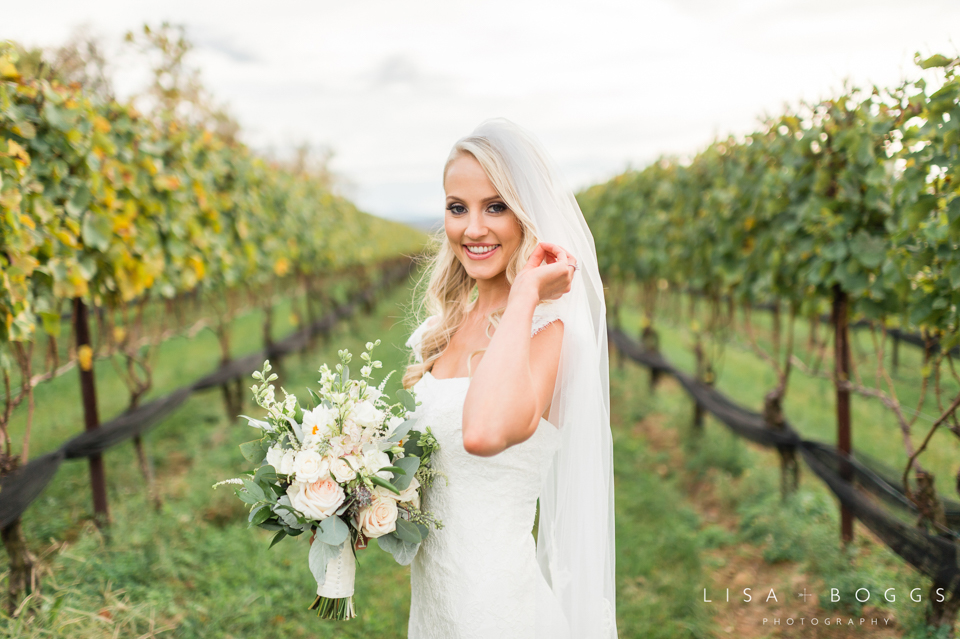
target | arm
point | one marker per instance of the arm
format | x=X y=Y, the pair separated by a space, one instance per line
x=515 y=379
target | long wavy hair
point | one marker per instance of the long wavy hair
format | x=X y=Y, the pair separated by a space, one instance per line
x=450 y=293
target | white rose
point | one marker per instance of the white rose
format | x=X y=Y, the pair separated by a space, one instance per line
x=366 y=415
x=373 y=393
x=411 y=493
x=379 y=518
x=318 y=423
x=310 y=466
x=342 y=468
x=316 y=500
x=275 y=456
x=373 y=460
x=288 y=462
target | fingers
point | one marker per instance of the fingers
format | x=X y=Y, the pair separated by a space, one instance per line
x=554 y=252
x=536 y=257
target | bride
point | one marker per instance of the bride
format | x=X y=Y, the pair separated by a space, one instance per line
x=514 y=384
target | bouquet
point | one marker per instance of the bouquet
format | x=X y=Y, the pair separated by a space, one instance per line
x=349 y=467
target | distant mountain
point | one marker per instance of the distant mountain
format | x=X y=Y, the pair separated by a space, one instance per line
x=425 y=224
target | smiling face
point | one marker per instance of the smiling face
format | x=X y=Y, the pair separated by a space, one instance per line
x=483 y=232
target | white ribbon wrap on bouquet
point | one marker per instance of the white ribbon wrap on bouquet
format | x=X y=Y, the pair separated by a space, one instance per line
x=341 y=572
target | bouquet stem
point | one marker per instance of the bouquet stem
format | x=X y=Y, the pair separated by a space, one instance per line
x=337 y=609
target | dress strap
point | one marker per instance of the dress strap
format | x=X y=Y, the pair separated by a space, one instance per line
x=543 y=315
x=413 y=342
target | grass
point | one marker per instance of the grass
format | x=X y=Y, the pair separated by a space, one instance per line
x=801 y=534
x=195 y=570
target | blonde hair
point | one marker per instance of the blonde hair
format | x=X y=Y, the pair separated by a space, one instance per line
x=449 y=291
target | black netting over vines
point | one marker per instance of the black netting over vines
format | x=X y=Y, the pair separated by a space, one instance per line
x=19 y=488
x=874 y=483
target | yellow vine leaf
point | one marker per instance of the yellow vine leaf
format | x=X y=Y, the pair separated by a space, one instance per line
x=7 y=70
x=197 y=265
x=85 y=357
x=18 y=152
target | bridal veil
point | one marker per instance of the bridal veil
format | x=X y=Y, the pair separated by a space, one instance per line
x=575 y=539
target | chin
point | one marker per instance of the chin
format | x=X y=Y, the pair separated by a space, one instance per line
x=485 y=272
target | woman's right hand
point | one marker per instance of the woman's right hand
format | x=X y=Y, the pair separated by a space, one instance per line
x=550 y=280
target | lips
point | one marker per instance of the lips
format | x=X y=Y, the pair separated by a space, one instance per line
x=483 y=256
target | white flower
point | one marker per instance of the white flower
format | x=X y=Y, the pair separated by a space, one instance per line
x=379 y=518
x=366 y=370
x=367 y=435
x=342 y=468
x=373 y=460
x=338 y=446
x=352 y=433
x=316 y=500
x=289 y=403
x=270 y=396
x=287 y=462
x=310 y=466
x=318 y=423
x=411 y=493
x=275 y=456
x=365 y=414
x=373 y=393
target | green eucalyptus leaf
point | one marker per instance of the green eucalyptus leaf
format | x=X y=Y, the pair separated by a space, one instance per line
x=252 y=451
x=332 y=530
x=408 y=402
x=409 y=464
x=403 y=552
x=254 y=489
x=408 y=532
x=276 y=538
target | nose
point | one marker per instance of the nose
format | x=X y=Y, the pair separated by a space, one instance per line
x=476 y=226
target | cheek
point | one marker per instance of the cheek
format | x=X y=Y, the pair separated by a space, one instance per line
x=511 y=234
x=453 y=233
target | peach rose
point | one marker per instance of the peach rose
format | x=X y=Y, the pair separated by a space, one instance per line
x=379 y=518
x=316 y=500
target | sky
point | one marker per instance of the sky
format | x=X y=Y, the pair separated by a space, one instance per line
x=607 y=85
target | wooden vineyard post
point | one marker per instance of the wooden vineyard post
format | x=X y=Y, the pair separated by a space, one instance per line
x=841 y=367
x=651 y=343
x=705 y=376
x=91 y=418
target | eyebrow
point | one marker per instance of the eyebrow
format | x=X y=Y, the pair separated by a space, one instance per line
x=486 y=199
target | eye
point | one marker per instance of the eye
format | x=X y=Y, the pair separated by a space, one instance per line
x=498 y=207
x=456 y=209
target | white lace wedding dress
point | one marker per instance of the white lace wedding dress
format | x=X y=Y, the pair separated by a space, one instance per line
x=478 y=577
